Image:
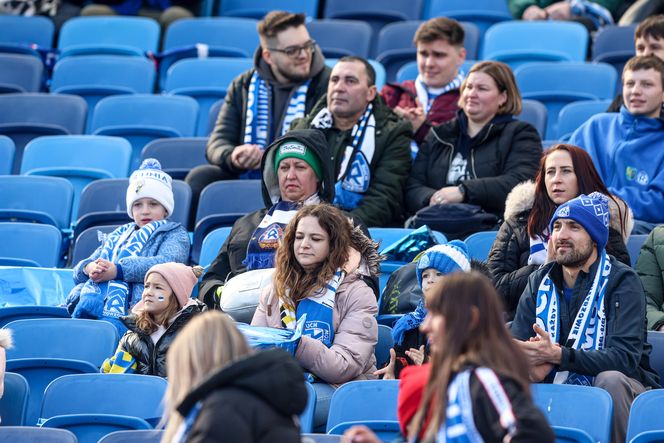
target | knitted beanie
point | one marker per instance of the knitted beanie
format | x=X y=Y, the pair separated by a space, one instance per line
x=149 y=181
x=591 y=212
x=446 y=258
x=181 y=278
x=295 y=149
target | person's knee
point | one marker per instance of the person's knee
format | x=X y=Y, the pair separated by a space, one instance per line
x=173 y=13
x=611 y=381
x=201 y=176
x=97 y=9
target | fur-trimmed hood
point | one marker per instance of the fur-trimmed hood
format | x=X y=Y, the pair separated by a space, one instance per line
x=6 y=340
x=522 y=198
x=364 y=255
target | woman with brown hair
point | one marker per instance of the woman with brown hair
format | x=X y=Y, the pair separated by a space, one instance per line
x=322 y=264
x=521 y=244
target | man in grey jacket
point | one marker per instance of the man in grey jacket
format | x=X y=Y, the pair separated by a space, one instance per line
x=581 y=319
x=288 y=77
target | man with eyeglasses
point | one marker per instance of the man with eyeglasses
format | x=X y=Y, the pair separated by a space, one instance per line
x=288 y=77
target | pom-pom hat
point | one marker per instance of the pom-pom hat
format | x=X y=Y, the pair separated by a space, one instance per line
x=446 y=258
x=149 y=181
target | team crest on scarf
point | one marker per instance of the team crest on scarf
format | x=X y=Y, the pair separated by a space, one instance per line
x=269 y=239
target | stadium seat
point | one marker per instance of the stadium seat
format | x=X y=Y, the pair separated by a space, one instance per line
x=90 y=428
x=7 y=151
x=141 y=118
x=590 y=411
x=212 y=243
x=349 y=402
x=338 y=38
x=634 y=243
x=479 y=244
x=80 y=159
x=535 y=113
x=10 y=313
x=86 y=242
x=517 y=42
x=206 y=80
x=557 y=84
x=36 y=199
x=614 y=45
x=258 y=8
x=213 y=114
x=483 y=13
x=177 y=155
x=221 y=203
x=385 y=430
x=32 y=434
x=94 y=77
x=645 y=417
x=20 y=73
x=378 y=67
x=29 y=244
x=320 y=438
x=395 y=45
x=656 y=339
x=136 y=436
x=575 y=114
x=117 y=35
x=307 y=417
x=26 y=31
x=14 y=401
x=385 y=343
x=29 y=115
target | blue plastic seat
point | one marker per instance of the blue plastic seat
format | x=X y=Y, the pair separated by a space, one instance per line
x=30 y=244
x=213 y=115
x=136 y=436
x=395 y=46
x=575 y=114
x=10 y=313
x=645 y=416
x=479 y=244
x=80 y=159
x=557 y=84
x=117 y=35
x=212 y=243
x=385 y=343
x=656 y=339
x=36 y=199
x=29 y=115
x=141 y=118
x=338 y=38
x=381 y=76
x=90 y=428
x=258 y=8
x=483 y=13
x=307 y=416
x=94 y=77
x=20 y=73
x=535 y=113
x=385 y=430
x=320 y=438
x=221 y=204
x=88 y=241
x=517 y=42
x=32 y=434
x=206 y=80
x=586 y=408
x=7 y=151
x=177 y=155
x=634 y=244
x=614 y=45
x=349 y=402
x=14 y=401
x=24 y=30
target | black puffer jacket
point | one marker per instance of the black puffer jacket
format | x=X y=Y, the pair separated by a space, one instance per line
x=229 y=129
x=508 y=259
x=504 y=153
x=151 y=357
x=254 y=400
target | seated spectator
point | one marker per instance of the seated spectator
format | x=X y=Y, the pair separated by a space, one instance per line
x=582 y=317
x=432 y=98
x=219 y=390
x=164 y=11
x=367 y=143
x=648 y=40
x=523 y=241
x=476 y=387
x=650 y=268
x=591 y=14
x=320 y=265
x=479 y=157
x=626 y=147
x=163 y=311
x=409 y=343
x=110 y=282
x=5 y=343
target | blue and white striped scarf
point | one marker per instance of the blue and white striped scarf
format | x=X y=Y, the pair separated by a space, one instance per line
x=589 y=327
x=459 y=426
x=319 y=308
x=257 y=120
x=355 y=173
x=538 y=248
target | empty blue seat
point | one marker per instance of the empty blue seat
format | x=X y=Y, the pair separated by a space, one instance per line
x=213 y=115
x=614 y=45
x=656 y=339
x=535 y=113
x=517 y=42
x=108 y=35
x=136 y=436
x=212 y=244
x=36 y=199
x=14 y=401
x=80 y=159
x=385 y=343
x=30 y=244
x=307 y=416
x=206 y=80
x=177 y=155
x=20 y=73
x=338 y=38
x=10 y=313
x=29 y=115
x=7 y=151
x=90 y=428
x=349 y=402
x=88 y=241
x=32 y=434
x=479 y=244
x=26 y=31
x=645 y=416
x=141 y=118
x=483 y=13
x=634 y=244
x=557 y=84
x=575 y=114
x=381 y=76
x=258 y=8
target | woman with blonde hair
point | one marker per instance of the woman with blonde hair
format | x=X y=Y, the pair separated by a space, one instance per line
x=220 y=391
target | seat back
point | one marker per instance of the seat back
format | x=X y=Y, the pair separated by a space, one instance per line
x=338 y=38
x=14 y=400
x=25 y=30
x=88 y=241
x=590 y=410
x=479 y=244
x=349 y=402
x=92 y=427
x=307 y=416
x=614 y=45
x=258 y=8
x=29 y=244
x=131 y=395
x=33 y=434
x=137 y=436
x=177 y=155
x=7 y=151
x=234 y=33
x=646 y=414
x=33 y=198
x=535 y=113
x=634 y=244
x=483 y=13
x=20 y=73
x=575 y=114
x=10 y=313
x=212 y=244
x=385 y=343
x=656 y=339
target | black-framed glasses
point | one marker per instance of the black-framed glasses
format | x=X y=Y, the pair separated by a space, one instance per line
x=295 y=51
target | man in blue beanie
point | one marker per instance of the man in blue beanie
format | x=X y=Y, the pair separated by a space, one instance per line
x=581 y=319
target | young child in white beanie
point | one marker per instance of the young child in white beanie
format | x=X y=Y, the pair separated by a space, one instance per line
x=110 y=281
